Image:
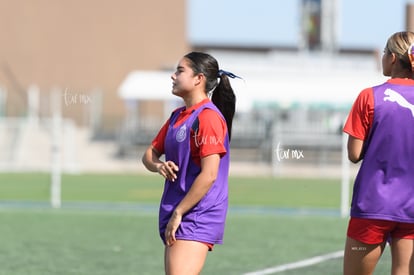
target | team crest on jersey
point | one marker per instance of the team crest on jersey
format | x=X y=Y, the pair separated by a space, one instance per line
x=180 y=136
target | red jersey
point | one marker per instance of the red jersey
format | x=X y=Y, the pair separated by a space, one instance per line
x=207 y=137
x=360 y=117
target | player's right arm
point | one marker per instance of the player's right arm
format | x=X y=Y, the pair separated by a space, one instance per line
x=359 y=123
x=355 y=149
x=151 y=157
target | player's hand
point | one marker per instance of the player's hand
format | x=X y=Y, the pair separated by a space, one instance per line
x=172 y=227
x=168 y=170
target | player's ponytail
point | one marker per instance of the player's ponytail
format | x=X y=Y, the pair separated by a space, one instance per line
x=218 y=86
x=224 y=98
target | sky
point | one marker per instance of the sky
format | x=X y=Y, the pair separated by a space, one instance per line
x=360 y=23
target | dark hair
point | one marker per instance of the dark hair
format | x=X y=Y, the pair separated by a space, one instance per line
x=223 y=96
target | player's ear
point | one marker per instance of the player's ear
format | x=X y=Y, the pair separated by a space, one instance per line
x=199 y=78
x=393 y=58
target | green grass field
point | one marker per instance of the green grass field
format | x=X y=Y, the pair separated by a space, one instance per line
x=276 y=192
x=267 y=226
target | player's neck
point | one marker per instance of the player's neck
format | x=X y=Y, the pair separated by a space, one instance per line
x=194 y=100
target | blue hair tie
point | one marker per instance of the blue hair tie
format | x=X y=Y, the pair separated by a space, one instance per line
x=229 y=74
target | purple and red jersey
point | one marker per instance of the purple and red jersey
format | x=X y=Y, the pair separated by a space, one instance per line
x=189 y=135
x=383 y=117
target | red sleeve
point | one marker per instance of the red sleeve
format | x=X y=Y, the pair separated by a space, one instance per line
x=211 y=133
x=158 y=141
x=360 y=118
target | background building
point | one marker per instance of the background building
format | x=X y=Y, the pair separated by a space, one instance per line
x=84 y=49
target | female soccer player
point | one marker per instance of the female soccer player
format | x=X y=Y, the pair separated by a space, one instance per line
x=381 y=133
x=195 y=142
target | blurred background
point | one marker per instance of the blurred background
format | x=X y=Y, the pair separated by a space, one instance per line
x=86 y=84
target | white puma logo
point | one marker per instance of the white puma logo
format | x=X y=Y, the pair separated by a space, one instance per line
x=393 y=96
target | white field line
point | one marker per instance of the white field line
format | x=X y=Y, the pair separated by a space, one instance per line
x=298 y=264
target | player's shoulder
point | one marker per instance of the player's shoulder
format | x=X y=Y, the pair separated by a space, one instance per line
x=367 y=91
x=209 y=115
x=366 y=95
